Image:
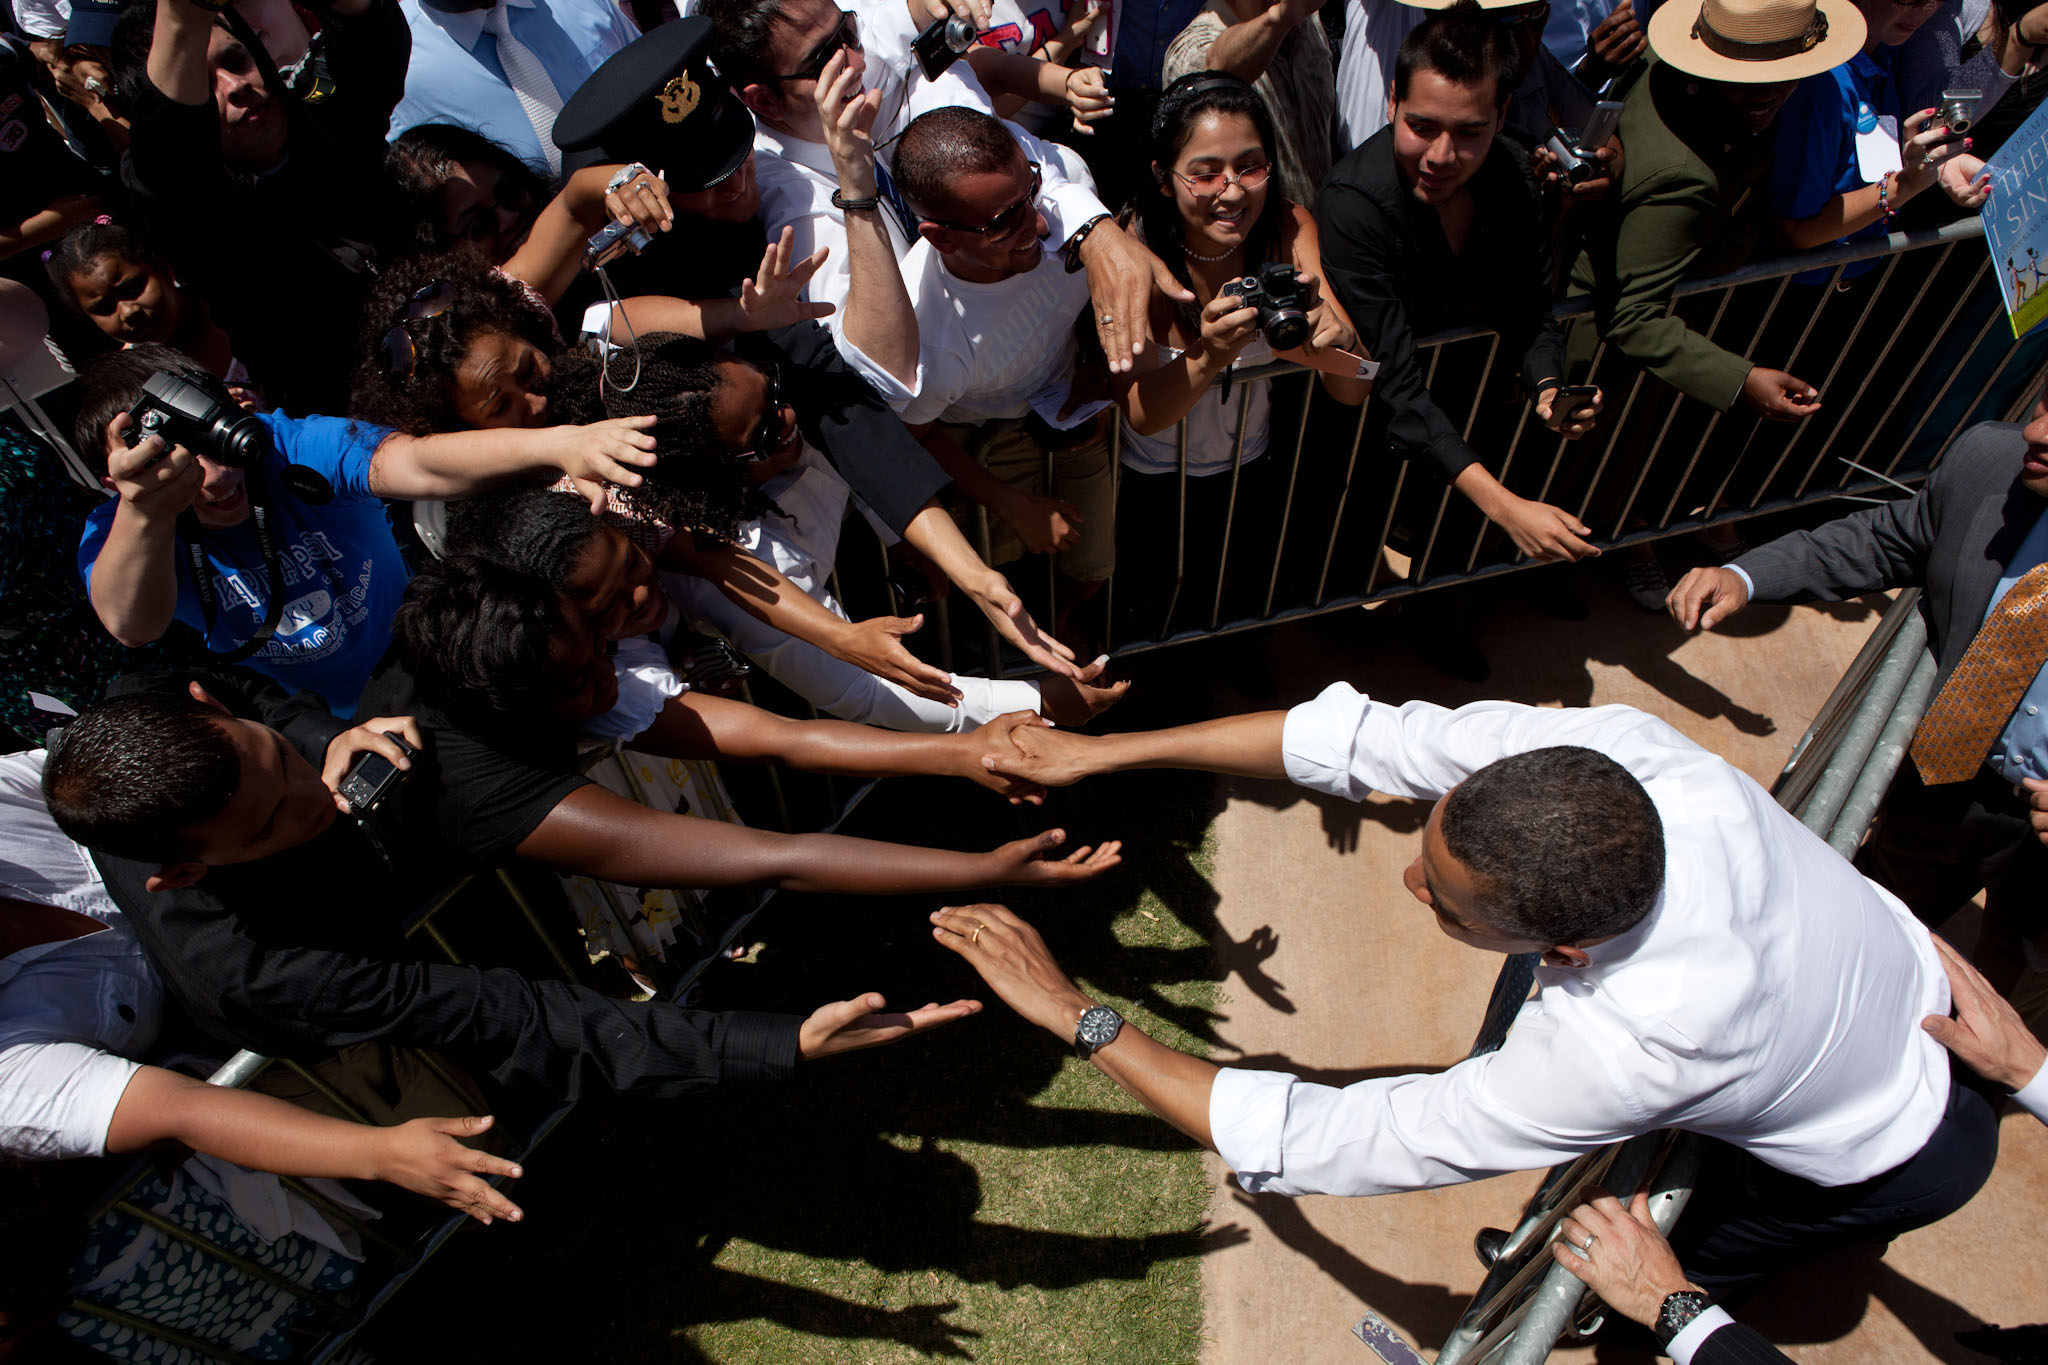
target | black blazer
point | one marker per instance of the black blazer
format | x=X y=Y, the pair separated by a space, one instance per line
x=1953 y=539
x=1733 y=1344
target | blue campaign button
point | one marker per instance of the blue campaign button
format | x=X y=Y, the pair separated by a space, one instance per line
x=1866 y=117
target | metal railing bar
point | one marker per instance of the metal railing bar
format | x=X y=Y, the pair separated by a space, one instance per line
x=1244 y=407
x=1870 y=371
x=1180 y=535
x=1866 y=793
x=533 y=921
x=1756 y=335
x=326 y=1091
x=206 y=1350
x=1344 y=498
x=1997 y=317
x=1831 y=292
x=1308 y=399
x=1847 y=345
x=342 y=1214
x=1613 y=433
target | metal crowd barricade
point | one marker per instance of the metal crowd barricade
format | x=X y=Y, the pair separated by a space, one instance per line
x=1834 y=780
x=1922 y=294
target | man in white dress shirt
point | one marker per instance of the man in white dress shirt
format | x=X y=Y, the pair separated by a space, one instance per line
x=1707 y=964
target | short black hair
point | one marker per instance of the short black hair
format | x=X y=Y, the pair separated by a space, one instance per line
x=740 y=33
x=134 y=775
x=1464 y=46
x=1564 y=842
x=474 y=635
x=81 y=248
x=943 y=144
x=113 y=383
x=535 y=531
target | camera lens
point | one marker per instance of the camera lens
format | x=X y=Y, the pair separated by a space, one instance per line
x=1285 y=328
x=959 y=34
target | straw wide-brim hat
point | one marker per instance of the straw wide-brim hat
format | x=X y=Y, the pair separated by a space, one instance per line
x=1751 y=42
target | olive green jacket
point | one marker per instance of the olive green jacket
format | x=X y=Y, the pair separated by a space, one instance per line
x=1689 y=205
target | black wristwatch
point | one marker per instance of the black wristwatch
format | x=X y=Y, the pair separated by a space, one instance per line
x=1098 y=1027
x=1680 y=1308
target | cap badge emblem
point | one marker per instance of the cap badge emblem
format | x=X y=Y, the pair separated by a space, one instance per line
x=678 y=98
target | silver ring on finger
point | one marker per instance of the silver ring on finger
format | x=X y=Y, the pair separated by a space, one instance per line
x=1107 y=318
x=1586 y=1247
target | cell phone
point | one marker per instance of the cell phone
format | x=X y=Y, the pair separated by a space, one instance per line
x=1574 y=391
x=1600 y=127
x=943 y=42
x=372 y=777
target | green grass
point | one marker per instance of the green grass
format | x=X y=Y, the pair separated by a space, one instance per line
x=977 y=1194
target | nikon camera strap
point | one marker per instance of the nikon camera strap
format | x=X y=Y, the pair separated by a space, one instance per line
x=273 y=570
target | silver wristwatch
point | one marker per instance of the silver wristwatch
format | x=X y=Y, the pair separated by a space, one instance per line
x=1098 y=1027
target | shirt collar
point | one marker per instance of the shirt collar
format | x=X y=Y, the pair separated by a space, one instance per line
x=811 y=156
x=468 y=25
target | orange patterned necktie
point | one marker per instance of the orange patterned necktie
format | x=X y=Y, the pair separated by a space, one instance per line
x=1991 y=677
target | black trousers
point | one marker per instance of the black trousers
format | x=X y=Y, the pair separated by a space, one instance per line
x=1936 y=847
x=1748 y=1221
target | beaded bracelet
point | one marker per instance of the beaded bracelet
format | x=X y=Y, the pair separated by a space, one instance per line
x=1884 y=197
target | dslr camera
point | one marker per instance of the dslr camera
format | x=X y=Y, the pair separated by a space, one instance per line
x=942 y=43
x=186 y=415
x=1282 y=300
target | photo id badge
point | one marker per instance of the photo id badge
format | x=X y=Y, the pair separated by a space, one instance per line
x=1877 y=145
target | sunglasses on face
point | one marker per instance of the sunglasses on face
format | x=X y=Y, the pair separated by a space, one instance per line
x=847 y=36
x=768 y=437
x=430 y=300
x=1006 y=222
x=1210 y=184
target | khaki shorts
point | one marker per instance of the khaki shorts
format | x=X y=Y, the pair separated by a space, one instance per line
x=1082 y=475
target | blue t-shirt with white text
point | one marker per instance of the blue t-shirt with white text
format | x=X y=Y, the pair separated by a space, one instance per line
x=343 y=576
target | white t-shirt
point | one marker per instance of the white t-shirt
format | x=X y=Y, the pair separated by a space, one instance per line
x=992 y=350
x=1373 y=32
x=71 y=1013
x=37 y=863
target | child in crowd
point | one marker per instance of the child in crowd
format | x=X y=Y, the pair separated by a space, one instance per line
x=111 y=275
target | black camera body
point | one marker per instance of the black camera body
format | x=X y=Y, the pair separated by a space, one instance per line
x=942 y=43
x=372 y=777
x=186 y=415
x=1575 y=153
x=1282 y=300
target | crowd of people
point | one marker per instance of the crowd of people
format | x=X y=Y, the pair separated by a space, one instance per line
x=474 y=384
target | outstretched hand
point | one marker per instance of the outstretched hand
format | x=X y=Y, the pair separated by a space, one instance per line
x=427 y=1157
x=850 y=1025
x=1001 y=605
x=876 y=645
x=1033 y=861
x=1706 y=596
x=774 y=296
x=1015 y=963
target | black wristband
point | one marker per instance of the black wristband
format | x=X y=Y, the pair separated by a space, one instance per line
x=845 y=205
x=1072 y=250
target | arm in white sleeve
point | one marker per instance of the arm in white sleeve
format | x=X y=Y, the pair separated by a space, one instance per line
x=1545 y=1097
x=1688 y=1342
x=2033 y=1096
x=1346 y=744
x=57 y=1100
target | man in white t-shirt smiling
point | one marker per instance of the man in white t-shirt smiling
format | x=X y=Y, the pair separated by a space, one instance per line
x=996 y=308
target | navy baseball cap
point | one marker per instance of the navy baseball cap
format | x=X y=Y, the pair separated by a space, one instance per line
x=659 y=101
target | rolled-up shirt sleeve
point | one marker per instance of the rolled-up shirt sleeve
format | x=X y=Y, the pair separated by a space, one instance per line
x=57 y=1100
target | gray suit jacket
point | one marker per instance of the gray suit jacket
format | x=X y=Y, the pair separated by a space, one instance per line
x=1953 y=539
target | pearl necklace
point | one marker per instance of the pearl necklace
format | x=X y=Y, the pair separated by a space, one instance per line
x=1195 y=255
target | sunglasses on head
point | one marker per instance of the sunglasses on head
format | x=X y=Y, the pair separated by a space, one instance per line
x=1005 y=222
x=430 y=300
x=847 y=36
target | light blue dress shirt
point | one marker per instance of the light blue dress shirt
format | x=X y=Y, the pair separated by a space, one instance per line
x=2021 y=749
x=455 y=76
